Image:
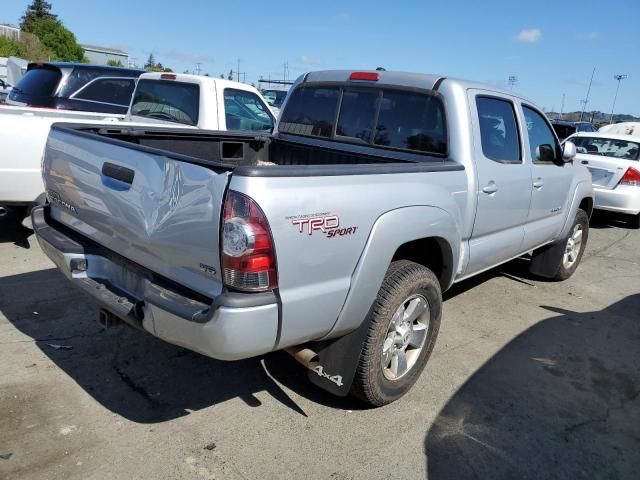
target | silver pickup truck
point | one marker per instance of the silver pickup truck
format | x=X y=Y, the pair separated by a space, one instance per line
x=333 y=238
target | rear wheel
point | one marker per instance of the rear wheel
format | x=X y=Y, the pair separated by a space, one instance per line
x=403 y=329
x=634 y=221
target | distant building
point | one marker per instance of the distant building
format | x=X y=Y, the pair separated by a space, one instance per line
x=10 y=31
x=102 y=55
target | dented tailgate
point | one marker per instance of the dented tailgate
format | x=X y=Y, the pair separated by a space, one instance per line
x=156 y=210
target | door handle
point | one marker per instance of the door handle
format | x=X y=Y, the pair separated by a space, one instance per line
x=538 y=184
x=585 y=162
x=118 y=172
x=490 y=188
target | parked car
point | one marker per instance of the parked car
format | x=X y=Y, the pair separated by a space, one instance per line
x=614 y=163
x=179 y=100
x=333 y=239
x=563 y=128
x=275 y=98
x=585 y=127
x=5 y=89
x=623 y=128
x=75 y=86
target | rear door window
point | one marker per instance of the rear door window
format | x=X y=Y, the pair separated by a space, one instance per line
x=41 y=82
x=245 y=111
x=116 y=91
x=498 y=130
x=167 y=100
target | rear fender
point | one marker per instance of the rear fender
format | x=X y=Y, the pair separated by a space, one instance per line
x=339 y=351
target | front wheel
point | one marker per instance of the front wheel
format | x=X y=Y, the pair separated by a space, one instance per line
x=559 y=261
x=403 y=328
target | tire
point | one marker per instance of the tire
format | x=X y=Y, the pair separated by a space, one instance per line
x=407 y=285
x=554 y=262
x=634 y=222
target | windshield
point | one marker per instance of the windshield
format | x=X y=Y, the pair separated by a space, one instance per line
x=275 y=98
x=40 y=81
x=607 y=147
x=167 y=100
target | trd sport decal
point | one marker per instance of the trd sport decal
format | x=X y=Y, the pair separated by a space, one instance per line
x=326 y=223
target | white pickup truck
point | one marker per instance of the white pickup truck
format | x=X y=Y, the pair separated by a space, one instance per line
x=186 y=101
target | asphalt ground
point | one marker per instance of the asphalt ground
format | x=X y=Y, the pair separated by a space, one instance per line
x=529 y=379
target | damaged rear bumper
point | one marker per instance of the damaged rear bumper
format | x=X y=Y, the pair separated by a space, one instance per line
x=230 y=327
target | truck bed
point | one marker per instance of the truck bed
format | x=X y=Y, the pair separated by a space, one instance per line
x=230 y=150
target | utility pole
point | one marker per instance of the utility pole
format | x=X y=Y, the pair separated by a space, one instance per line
x=198 y=68
x=619 y=78
x=238 y=71
x=562 y=107
x=586 y=100
x=513 y=80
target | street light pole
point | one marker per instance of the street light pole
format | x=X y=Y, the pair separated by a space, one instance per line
x=619 y=78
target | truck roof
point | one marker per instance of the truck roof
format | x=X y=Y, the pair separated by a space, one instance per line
x=403 y=79
x=199 y=79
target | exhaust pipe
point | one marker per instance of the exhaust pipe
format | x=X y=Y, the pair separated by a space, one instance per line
x=304 y=356
x=3 y=212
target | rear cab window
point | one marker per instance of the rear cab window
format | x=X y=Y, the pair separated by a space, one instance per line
x=40 y=82
x=380 y=117
x=167 y=100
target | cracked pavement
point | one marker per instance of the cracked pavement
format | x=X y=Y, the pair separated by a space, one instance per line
x=529 y=379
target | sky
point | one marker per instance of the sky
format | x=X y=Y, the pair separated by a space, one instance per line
x=551 y=47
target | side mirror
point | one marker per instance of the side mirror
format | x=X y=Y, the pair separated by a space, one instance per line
x=545 y=153
x=568 y=152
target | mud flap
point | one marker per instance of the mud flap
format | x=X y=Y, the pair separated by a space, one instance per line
x=338 y=360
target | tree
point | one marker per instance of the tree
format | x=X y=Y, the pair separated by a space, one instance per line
x=230 y=77
x=38 y=9
x=58 y=39
x=151 y=62
x=114 y=63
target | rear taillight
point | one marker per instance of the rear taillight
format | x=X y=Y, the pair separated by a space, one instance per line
x=248 y=253
x=630 y=177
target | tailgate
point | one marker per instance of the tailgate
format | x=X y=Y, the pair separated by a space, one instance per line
x=159 y=211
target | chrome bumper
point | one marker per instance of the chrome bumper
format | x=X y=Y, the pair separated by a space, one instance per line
x=230 y=327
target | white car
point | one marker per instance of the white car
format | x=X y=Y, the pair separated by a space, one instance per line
x=614 y=163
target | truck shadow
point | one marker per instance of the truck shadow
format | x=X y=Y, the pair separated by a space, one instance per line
x=602 y=219
x=130 y=372
x=12 y=230
x=562 y=400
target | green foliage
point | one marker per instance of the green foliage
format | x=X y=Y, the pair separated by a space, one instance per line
x=151 y=62
x=29 y=46
x=152 y=66
x=58 y=39
x=9 y=48
x=114 y=63
x=38 y=10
